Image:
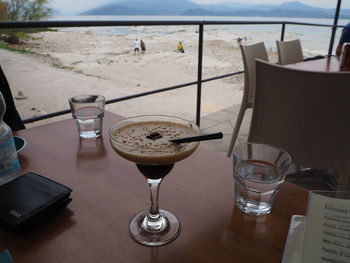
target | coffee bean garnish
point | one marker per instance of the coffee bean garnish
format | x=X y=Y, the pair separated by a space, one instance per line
x=154 y=136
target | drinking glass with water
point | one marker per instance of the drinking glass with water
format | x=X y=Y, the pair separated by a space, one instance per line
x=259 y=171
x=88 y=112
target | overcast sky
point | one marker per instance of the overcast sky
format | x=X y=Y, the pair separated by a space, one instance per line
x=77 y=5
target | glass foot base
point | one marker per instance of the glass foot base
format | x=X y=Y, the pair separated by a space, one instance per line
x=164 y=235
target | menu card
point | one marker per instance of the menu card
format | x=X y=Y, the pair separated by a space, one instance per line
x=327 y=229
x=324 y=234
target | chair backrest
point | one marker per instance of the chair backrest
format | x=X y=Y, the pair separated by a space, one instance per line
x=11 y=117
x=249 y=54
x=305 y=113
x=289 y=52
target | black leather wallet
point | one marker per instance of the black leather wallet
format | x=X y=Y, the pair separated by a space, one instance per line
x=30 y=198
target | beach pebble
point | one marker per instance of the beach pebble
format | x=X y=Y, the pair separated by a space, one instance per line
x=76 y=62
x=20 y=96
x=39 y=112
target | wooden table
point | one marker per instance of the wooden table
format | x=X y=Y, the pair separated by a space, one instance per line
x=108 y=191
x=328 y=64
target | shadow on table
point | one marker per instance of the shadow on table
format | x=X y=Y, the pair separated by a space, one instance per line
x=154 y=257
x=263 y=233
x=254 y=226
x=90 y=150
x=24 y=242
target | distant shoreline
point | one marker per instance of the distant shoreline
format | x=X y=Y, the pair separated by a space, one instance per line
x=190 y=8
x=197 y=17
x=315 y=40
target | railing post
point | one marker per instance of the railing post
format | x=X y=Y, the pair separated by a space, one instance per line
x=334 y=28
x=282 y=31
x=199 y=75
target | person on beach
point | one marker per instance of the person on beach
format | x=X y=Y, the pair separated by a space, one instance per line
x=345 y=37
x=136 y=47
x=180 y=48
x=143 y=46
x=239 y=41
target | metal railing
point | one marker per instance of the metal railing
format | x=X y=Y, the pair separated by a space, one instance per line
x=199 y=23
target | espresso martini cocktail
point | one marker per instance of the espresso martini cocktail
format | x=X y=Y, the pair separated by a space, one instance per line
x=144 y=140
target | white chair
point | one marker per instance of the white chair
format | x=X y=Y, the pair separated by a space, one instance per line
x=305 y=113
x=289 y=52
x=249 y=54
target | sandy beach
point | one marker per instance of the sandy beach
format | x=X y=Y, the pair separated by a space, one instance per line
x=81 y=61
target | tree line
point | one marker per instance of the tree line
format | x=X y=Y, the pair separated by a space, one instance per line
x=22 y=10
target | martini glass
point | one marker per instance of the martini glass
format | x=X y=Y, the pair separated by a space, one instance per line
x=144 y=140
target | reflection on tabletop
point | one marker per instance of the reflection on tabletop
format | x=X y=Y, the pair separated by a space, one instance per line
x=90 y=149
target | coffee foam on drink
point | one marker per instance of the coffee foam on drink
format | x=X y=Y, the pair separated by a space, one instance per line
x=148 y=142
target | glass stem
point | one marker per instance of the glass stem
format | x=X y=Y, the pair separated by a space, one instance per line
x=154 y=190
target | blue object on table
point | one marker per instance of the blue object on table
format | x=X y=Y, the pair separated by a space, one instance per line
x=19 y=143
x=5 y=257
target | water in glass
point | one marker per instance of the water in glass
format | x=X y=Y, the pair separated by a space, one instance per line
x=89 y=122
x=259 y=172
